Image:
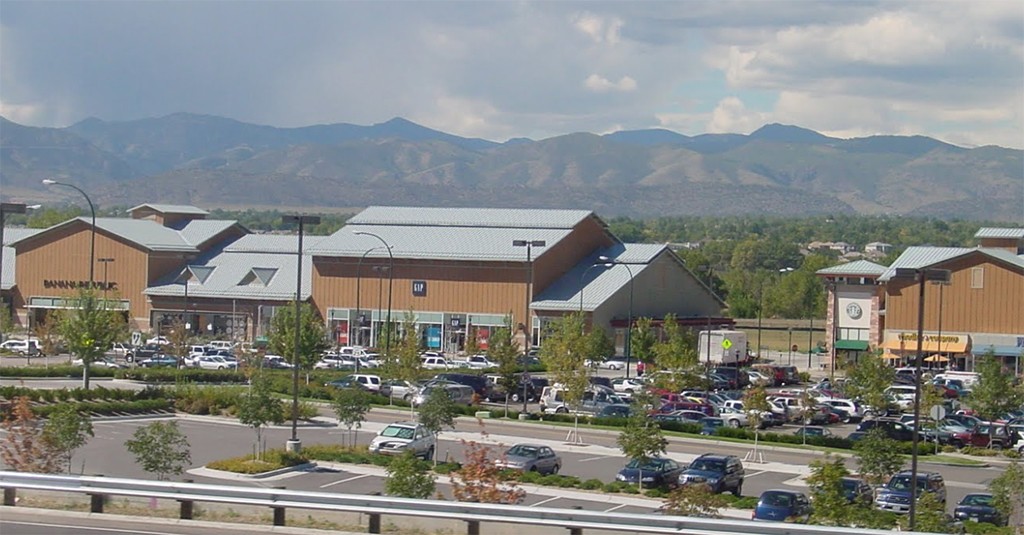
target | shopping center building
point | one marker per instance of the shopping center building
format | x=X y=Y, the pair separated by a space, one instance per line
x=454 y=272
x=979 y=310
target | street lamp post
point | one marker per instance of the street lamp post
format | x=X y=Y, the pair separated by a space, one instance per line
x=583 y=277
x=7 y=208
x=391 y=282
x=527 y=327
x=92 y=242
x=380 y=294
x=359 y=293
x=105 y=262
x=294 y=444
x=921 y=276
x=629 y=316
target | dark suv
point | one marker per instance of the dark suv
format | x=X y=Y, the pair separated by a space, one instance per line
x=478 y=383
x=737 y=378
x=895 y=495
x=720 y=472
x=892 y=428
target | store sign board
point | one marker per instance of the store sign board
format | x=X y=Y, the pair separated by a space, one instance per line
x=944 y=339
x=419 y=288
x=71 y=285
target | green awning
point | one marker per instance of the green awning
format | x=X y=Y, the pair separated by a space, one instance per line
x=852 y=345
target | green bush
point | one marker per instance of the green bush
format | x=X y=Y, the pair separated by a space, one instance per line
x=980 y=452
x=272 y=460
x=190 y=375
x=984 y=528
x=630 y=489
x=142 y=406
x=615 y=486
x=592 y=484
x=62 y=370
x=195 y=399
x=530 y=477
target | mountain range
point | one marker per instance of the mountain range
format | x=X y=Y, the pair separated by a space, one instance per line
x=778 y=169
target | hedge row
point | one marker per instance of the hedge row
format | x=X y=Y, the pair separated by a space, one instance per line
x=99 y=393
x=905 y=448
x=60 y=370
x=142 y=406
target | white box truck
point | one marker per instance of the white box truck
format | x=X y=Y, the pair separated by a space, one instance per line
x=726 y=347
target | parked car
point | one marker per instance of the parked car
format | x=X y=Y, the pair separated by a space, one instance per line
x=160 y=361
x=397 y=438
x=856 y=490
x=782 y=506
x=651 y=473
x=709 y=425
x=734 y=418
x=895 y=495
x=459 y=394
x=530 y=458
x=606 y=364
x=370 y=383
x=120 y=349
x=723 y=473
x=215 y=363
x=892 y=428
x=480 y=385
x=276 y=362
x=594 y=399
x=496 y=392
x=144 y=352
x=813 y=431
x=679 y=416
x=615 y=410
x=854 y=412
x=628 y=386
x=397 y=389
x=104 y=362
x=480 y=362
x=435 y=363
x=336 y=362
x=978 y=507
x=22 y=347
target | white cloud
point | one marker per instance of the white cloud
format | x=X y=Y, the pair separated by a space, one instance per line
x=600 y=84
x=731 y=115
x=599 y=29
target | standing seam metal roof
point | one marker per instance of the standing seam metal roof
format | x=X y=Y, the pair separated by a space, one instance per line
x=858 y=267
x=12 y=235
x=601 y=283
x=996 y=232
x=172 y=209
x=272 y=243
x=440 y=243
x=921 y=257
x=470 y=217
x=199 y=231
x=230 y=278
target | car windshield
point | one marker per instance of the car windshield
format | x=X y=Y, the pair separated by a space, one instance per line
x=903 y=483
x=851 y=484
x=522 y=451
x=777 y=499
x=649 y=464
x=977 y=499
x=394 y=431
x=708 y=465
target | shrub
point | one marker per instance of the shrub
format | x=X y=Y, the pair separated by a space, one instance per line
x=656 y=493
x=592 y=484
x=530 y=477
x=141 y=406
x=615 y=486
x=272 y=460
x=64 y=370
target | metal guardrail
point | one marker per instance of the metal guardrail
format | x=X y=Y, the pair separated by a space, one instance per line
x=98 y=488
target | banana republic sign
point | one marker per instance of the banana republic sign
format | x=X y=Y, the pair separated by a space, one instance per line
x=72 y=285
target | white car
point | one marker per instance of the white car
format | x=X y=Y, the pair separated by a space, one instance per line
x=630 y=386
x=434 y=363
x=480 y=362
x=734 y=418
x=105 y=362
x=208 y=362
x=607 y=364
x=399 y=438
x=21 y=347
x=158 y=340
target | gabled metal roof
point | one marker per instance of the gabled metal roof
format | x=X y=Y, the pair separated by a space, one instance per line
x=228 y=275
x=923 y=256
x=860 y=268
x=12 y=235
x=148 y=234
x=172 y=209
x=470 y=217
x=272 y=243
x=600 y=283
x=439 y=242
x=997 y=232
x=199 y=231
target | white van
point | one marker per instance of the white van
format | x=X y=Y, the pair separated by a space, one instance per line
x=596 y=397
x=970 y=379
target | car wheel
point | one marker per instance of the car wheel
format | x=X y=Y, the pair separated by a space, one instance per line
x=561 y=410
x=129 y=358
x=735 y=424
x=515 y=398
x=555 y=469
x=956 y=444
x=533 y=468
x=738 y=491
x=220 y=367
x=430 y=454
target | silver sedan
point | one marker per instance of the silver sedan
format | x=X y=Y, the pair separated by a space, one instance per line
x=530 y=458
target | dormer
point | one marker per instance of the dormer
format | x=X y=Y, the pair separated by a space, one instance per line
x=1010 y=239
x=174 y=216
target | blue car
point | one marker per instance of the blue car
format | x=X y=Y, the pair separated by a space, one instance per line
x=978 y=508
x=782 y=506
x=654 y=472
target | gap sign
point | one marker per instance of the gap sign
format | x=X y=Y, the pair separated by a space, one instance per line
x=419 y=288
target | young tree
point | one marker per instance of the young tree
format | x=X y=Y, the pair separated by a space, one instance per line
x=642 y=341
x=930 y=516
x=807 y=410
x=46 y=332
x=994 y=395
x=826 y=483
x=408 y=478
x=312 y=336
x=23 y=448
x=1008 y=494
x=160 y=448
x=877 y=456
x=472 y=346
x=755 y=404
x=437 y=413
x=503 y=350
x=90 y=329
x=65 y=431
x=867 y=381
x=694 y=500
x=351 y=406
x=641 y=438
x=676 y=356
x=403 y=363
x=258 y=408
x=178 y=338
x=479 y=479
x=564 y=353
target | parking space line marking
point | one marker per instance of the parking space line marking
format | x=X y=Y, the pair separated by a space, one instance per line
x=542 y=502
x=587 y=460
x=757 y=473
x=353 y=478
x=616 y=508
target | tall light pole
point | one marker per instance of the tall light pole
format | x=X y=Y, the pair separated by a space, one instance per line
x=92 y=240
x=527 y=322
x=294 y=444
x=380 y=294
x=921 y=276
x=391 y=282
x=359 y=293
x=629 y=317
x=7 y=208
x=105 y=262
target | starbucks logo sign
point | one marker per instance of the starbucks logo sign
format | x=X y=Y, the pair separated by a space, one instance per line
x=854 y=311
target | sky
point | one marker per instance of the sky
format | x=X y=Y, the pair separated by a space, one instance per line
x=952 y=70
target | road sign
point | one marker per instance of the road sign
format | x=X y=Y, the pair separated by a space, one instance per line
x=937 y=412
x=136 y=338
x=726 y=343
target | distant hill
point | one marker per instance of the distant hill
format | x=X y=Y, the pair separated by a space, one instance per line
x=778 y=169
